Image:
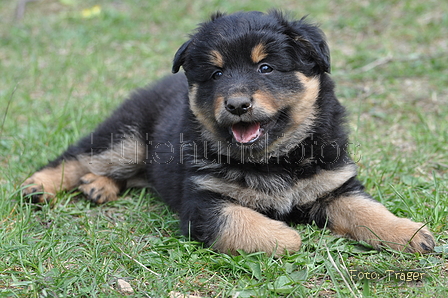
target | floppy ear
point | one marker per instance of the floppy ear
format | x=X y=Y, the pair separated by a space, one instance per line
x=312 y=39
x=179 y=58
x=308 y=41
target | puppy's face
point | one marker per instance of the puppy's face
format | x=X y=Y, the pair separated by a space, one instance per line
x=254 y=81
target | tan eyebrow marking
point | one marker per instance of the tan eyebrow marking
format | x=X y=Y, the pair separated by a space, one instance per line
x=258 y=53
x=216 y=59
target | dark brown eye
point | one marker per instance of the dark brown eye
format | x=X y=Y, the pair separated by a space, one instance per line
x=217 y=75
x=264 y=68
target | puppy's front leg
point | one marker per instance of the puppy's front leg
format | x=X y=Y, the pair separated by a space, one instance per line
x=361 y=218
x=229 y=227
x=246 y=229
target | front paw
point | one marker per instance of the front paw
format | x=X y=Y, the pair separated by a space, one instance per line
x=247 y=230
x=363 y=219
x=411 y=237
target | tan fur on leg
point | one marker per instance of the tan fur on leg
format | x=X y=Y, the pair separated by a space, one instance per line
x=251 y=231
x=43 y=185
x=100 y=189
x=363 y=219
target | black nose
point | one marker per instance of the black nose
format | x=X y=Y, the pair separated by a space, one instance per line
x=238 y=105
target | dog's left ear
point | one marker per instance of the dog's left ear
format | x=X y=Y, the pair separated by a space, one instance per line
x=309 y=41
x=312 y=40
x=179 y=58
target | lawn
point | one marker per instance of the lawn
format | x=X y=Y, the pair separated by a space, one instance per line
x=64 y=65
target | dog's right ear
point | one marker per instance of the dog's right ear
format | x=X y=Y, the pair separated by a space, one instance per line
x=179 y=58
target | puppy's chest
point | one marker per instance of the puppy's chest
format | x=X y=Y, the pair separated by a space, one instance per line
x=279 y=192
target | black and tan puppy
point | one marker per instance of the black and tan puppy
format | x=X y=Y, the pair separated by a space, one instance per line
x=252 y=137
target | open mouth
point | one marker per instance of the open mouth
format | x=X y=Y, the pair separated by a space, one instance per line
x=246 y=132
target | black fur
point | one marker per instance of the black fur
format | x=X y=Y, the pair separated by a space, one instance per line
x=186 y=143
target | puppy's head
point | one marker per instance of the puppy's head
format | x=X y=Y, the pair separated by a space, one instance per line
x=254 y=80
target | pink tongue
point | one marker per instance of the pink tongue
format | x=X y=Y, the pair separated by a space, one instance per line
x=245 y=132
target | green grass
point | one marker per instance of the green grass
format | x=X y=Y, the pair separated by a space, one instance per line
x=62 y=73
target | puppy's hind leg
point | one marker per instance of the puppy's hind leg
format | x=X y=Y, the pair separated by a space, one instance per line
x=59 y=175
x=114 y=169
x=100 y=168
x=101 y=189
